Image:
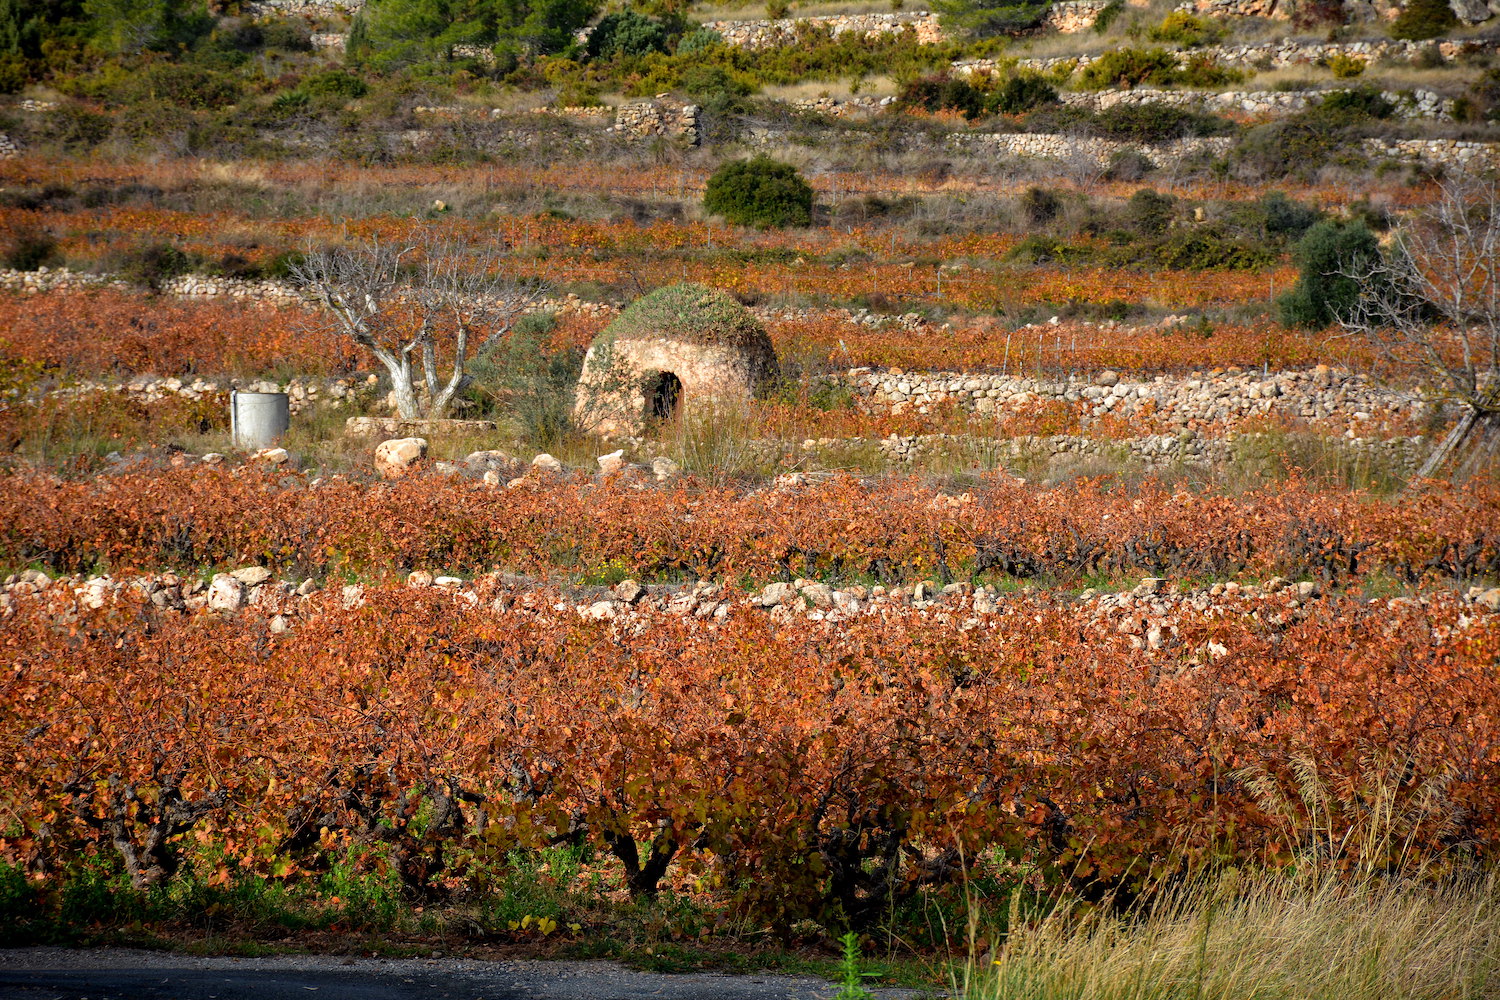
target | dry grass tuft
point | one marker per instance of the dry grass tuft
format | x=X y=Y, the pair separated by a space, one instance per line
x=1273 y=937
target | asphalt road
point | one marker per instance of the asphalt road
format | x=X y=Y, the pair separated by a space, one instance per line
x=121 y=974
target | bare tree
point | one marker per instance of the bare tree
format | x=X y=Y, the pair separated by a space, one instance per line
x=415 y=302
x=1434 y=297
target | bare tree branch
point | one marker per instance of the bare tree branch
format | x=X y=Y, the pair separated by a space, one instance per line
x=1434 y=297
x=448 y=290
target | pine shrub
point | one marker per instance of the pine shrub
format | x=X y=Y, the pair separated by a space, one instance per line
x=1327 y=255
x=759 y=192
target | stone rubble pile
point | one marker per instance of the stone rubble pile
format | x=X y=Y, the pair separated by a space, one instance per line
x=1148 y=613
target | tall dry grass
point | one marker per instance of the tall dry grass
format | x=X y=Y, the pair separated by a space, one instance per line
x=1265 y=937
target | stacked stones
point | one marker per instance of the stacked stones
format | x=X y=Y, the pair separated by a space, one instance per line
x=1443 y=152
x=303 y=392
x=1100 y=151
x=1468 y=11
x=1415 y=104
x=1275 y=54
x=302 y=8
x=765 y=34
x=9 y=147
x=1149 y=612
x=1403 y=455
x=1217 y=397
x=843 y=107
x=1072 y=16
x=660 y=117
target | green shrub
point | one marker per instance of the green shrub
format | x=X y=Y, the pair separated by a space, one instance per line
x=626 y=33
x=531 y=381
x=942 y=93
x=1420 y=20
x=1040 y=205
x=76 y=127
x=1325 y=256
x=991 y=18
x=1119 y=68
x=185 y=86
x=1345 y=67
x=1203 y=71
x=1041 y=249
x=286 y=35
x=1349 y=107
x=1301 y=143
x=759 y=192
x=1188 y=30
x=334 y=83
x=1285 y=217
x=1156 y=123
x=30 y=249
x=1108 y=16
x=151 y=264
x=1206 y=250
x=279 y=267
x=1021 y=93
x=1150 y=212
x=698 y=40
x=1128 y=165
x=20 y=907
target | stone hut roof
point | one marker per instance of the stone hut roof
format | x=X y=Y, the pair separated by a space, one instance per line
x=690 y=314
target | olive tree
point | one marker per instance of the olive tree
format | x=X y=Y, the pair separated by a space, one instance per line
x=1433 y=296
x=437 y=304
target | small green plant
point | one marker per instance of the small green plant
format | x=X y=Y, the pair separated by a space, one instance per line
x=851 y=976
x=1345 y=67
x=1187 y=30
x=759 y=192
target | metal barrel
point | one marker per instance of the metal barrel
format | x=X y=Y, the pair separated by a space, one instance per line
x=258 y=419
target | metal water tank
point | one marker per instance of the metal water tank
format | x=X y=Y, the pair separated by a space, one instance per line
x=258 y=419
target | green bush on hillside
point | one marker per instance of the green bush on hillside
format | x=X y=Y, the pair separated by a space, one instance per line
x=1327 y=255
x=759 y=192
x=1021 y=93
x=991 y=18
x=626 y=33
x=1188 y=30
x=1129 y=68
x=1420 y=20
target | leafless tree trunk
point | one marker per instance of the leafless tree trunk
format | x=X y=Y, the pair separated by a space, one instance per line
x=1434 y=297
x=410 y=304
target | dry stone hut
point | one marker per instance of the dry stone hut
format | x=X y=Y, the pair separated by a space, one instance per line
x=677 y=348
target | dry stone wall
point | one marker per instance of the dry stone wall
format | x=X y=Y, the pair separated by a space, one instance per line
x=1468 y=11
x=303 y=8
x=1278 y=54
x=1320 y=395
x=764 y=34
x=662 y=117
x=1073 y=16
x=1402 y=455
x=1097 y=151
x=1416 y=104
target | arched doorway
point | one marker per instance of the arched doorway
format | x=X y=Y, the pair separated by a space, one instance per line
x=663 y=397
